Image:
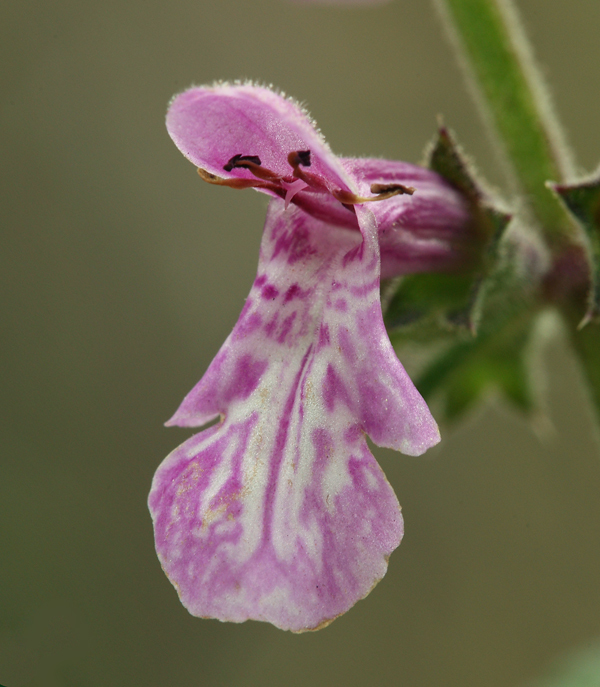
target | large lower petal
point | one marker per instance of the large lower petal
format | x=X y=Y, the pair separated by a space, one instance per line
x=280 y=512
x=291 y=527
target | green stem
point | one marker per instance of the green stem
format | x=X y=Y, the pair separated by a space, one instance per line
x=497 y=56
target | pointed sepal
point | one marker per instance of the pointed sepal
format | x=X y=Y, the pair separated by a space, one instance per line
x=444 y=301
x=488 y=224
x=461 y=368
x=582 y=200
x=476 y=327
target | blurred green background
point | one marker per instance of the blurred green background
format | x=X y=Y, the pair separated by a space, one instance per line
x=121 y=276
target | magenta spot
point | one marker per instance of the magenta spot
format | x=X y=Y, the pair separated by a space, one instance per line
x=244 y=378
x=293 y=292
x=271 y=325
x=376 y=415
x=295 y=244
x=286 y=327
x=370 y=322
x=354 y=254
x=353 y=434
x=345 y=345
x=340 y=305
x=269 y=292
x=260 y=281
x=356 y=470
x=334 y=390
x=323 y=443
x=324 y=339
x=365 y=289
x=247 y=325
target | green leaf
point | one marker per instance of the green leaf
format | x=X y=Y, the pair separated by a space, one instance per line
x=582 y=199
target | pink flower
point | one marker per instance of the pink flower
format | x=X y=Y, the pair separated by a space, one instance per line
x=279 y=512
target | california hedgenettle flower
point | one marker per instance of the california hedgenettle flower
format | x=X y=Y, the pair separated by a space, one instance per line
x=279 y=512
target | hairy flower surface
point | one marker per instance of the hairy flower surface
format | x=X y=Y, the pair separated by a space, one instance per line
x=279 y=512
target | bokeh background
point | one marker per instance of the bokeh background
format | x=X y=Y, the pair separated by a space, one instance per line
x=121 y=276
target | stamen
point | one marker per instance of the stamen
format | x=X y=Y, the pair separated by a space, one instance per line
x=253 y=164
x=241 y=161
x=236 y=182
x=287 y=187
x=299 y=157
x=389 y=190
x=382 y=191
x=220 y=181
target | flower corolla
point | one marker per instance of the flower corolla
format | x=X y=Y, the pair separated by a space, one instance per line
x=279 y=512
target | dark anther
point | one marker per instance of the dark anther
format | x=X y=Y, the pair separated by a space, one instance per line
x=299 y=157
x=392 y=189
x=244 y=161
x=304 y=157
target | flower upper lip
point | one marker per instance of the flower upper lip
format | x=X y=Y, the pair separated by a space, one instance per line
x=221 y=126
x=210 y=125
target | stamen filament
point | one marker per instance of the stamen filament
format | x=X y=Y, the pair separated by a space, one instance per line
x=285 y=188
x=238 y=183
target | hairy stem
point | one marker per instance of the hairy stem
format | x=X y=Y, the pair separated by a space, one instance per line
x=509 y=89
